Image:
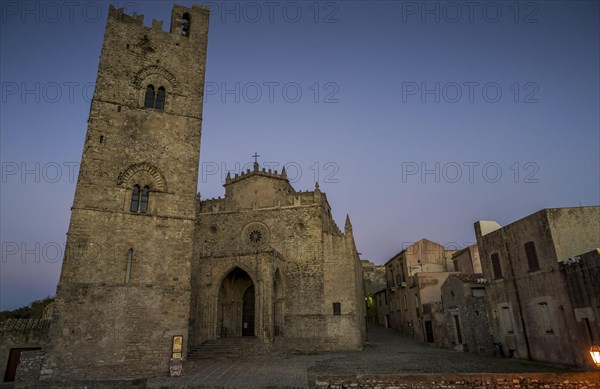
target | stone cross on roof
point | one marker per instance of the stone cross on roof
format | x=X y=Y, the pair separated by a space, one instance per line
x=255 y=156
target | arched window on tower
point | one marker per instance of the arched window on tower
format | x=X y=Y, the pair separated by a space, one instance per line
x=185 y=24
x=160 y=99
x=144 y=200
x=149 y=99
x=135 y=199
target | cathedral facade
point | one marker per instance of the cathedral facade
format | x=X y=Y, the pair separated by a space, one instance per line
x=271 y=262
x=151 y=271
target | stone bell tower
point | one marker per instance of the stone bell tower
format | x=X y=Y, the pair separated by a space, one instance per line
x=124 y=290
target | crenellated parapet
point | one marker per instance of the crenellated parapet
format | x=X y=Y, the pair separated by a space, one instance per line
x=179 y=22
x=295 y=199
x=256 y=172
x=120 y=15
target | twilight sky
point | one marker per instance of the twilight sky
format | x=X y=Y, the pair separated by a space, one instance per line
x=417 y=118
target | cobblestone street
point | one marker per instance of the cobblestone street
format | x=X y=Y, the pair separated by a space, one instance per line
x=386 y=352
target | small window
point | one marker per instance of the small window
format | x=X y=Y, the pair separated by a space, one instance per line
x=337 y=309
x=545 y=316
x=532 y=258
x=160 y=99
x=185 y=24
x=478 y=292
x=507 y=320
x=128 y=268
x=497 y=269
x=149 y=99
x=135 y=199
x=144 y=200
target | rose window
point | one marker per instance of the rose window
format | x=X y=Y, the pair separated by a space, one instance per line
x=255 y=236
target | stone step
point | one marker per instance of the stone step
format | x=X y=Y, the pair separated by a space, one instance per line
x=234 y=347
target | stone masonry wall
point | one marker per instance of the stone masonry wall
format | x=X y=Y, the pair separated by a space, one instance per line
x=21 y=333
x=295 y=268
x=30 y=365
x=458 y=381
x=514 y=300
x=105 y=323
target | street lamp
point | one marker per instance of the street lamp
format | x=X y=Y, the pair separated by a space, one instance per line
x=595 y=353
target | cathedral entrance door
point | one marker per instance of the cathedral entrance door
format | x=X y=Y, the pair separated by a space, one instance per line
x=236 y=305
x=248 y=312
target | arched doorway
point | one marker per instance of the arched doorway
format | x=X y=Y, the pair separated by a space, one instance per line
x=236 y=315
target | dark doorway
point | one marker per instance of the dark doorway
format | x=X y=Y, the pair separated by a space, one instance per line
x=248 y=312
x=14 y=357
x=428 y=331
x=235 y=316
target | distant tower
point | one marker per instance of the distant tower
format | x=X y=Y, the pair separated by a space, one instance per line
x=124 y=290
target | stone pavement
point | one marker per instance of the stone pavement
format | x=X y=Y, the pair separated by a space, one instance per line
x=386 y=352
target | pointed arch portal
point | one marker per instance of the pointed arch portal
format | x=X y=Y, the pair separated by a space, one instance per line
x=248 y=312
x=237 y=303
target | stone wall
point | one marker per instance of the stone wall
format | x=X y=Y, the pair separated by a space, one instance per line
x=21 y=333
x=529 y=309
x=381 y=300
x=460 y=304
x=374 y=277
x=292 y=251
x=116 y=313
x=466 y=260
x=582 y=275
x=30 y=366
x=406 y=297
x=457 y=381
